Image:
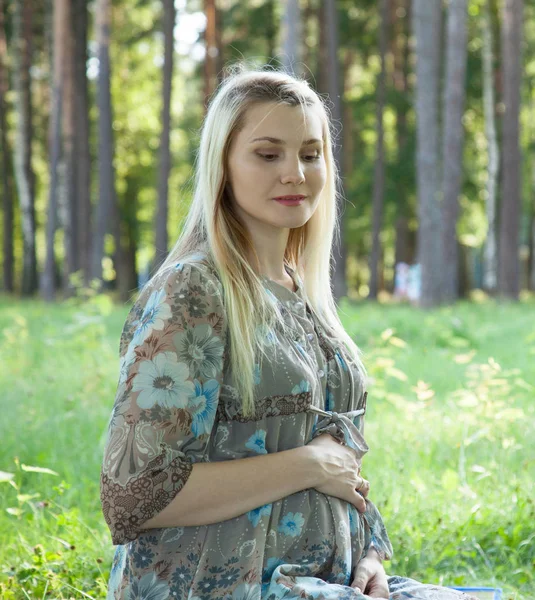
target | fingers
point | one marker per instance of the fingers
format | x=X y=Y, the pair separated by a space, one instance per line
x=363 y=488
x=360 y=503
x=362 y=576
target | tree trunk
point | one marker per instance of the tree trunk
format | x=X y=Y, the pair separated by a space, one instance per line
x=24 y=174
x=452 y=136
x=107 y=203
x=401 y=52
x=509 y=263
x=270 y=29
x=70 y=209
x=7 y=202
x=330 y=70
x=348 y=120
x=291 y=37
x=490 y=259
x=48 y=279
x=81 y=139
x=379 y=173
x=427 y=16
x=131 y=234
x=165 y=152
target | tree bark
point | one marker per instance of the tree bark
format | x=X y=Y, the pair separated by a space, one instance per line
x=48 y=279
x=7 y=202
x=291 y=37
x=509 y=262
x=452 y=136
x=165 y=152
x=24 y=174
x=107 y=204
x=81 y=139
x=490 y=256
x=401 y=18
x=69 y=207
x=427 y=16
x=379 y=172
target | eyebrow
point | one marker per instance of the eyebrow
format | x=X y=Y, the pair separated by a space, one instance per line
x=283 y=143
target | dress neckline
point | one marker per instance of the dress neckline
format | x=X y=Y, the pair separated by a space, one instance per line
x=279 y=286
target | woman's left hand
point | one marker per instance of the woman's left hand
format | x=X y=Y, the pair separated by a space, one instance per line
x=370 y=577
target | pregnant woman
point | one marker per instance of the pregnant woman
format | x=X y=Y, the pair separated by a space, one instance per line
x=232 y=462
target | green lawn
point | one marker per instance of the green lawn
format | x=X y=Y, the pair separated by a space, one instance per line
x=450 y=424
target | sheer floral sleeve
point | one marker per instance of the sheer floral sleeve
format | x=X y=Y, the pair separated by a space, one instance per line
x=171 y=369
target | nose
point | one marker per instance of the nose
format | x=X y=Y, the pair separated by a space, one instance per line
x=293 y=173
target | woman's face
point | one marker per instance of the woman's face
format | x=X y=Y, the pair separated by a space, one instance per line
x=261 y=170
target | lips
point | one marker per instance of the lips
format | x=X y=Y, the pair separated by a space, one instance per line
x=290 y=198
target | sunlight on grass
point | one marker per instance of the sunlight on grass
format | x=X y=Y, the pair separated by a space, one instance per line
x=450 y=427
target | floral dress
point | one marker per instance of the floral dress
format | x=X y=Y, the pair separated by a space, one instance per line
x=176 y=404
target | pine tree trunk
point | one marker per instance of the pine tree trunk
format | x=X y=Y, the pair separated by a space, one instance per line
x=379 y=173
x=490 y=257
x=452 y=136
x=70 y=208
x=427 y=16
x=48 y=279
x=81 y=139
x=7 y=200
x=291 y=37
x=270 y=29
x=401 y=17
x=24 y=174
x=107 y=204
x=509 y=262
x=165 y=152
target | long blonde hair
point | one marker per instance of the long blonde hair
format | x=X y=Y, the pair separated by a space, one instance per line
x=213 y=227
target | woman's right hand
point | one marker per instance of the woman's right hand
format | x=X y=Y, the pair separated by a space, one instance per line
x=339 y=470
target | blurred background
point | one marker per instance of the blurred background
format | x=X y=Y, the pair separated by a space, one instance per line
x=433 y=103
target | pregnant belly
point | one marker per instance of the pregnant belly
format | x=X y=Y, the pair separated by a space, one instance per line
x=313 y=530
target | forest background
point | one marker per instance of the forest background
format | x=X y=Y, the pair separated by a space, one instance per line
x=434 y=101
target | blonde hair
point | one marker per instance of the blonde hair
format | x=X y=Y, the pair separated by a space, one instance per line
x=213 y=227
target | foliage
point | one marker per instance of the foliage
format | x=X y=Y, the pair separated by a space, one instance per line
x=448 y=425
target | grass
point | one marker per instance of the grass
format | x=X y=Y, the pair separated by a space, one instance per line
x=450 y=426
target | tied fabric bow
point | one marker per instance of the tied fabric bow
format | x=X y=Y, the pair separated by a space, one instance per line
x=340 y=426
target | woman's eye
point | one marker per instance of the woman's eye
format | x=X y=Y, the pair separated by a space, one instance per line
x=309 y=157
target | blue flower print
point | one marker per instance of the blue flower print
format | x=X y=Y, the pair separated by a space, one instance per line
x=247 y=591
x=271 y=565
x=341 y=360
x=116 y=571
x=329 y=400
x=266 y=336
x=149 y=586
x=229 y=577
x=208 y=584
x=271 y=295
x=201 y=350
x=292 y=524
x=155 y=313
x=257 y=513
x=257 y=442
x=352 y=519
x=304 y=386
x=256 y=374
x=180 y=575
x=163 y=381
x=203 y=406
x=143 y=557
